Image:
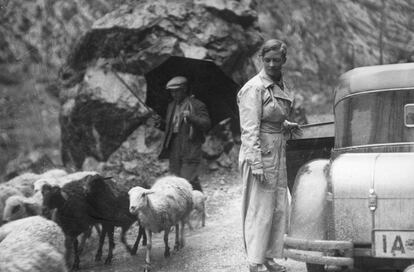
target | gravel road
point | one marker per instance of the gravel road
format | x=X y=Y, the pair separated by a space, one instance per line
x=215 y=248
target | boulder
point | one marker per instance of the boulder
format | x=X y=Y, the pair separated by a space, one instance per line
x=91 y=164
x=135 y=162
x=99 y=114
x=35 y=162
x=103 y=77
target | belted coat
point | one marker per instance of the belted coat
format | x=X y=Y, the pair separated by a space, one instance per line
x=264 y=105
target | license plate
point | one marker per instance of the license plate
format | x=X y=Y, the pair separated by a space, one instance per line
x=393 y=244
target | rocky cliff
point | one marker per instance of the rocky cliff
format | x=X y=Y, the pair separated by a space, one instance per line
x=325 y=38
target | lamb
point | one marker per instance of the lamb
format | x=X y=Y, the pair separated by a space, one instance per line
x=25 y=182
x=168 y=203
x=72 y=213
x=7 y=191
x=199 y=208
x=21 y=187
x=109 y=203
x=18 y=206
x=32 y=244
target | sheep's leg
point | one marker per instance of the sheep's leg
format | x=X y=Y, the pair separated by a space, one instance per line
x=141 y=233
x=182 y=241
x=188 y=222
x=98 y=255
x=111 y=244
x=167 y=248
x=144 y=235
x=85 y=236
x=98 y=230
x=148 y=254
x=177 y=237
x=76 y=260
x=123 y=240
x=203 y=216
x=69 y=250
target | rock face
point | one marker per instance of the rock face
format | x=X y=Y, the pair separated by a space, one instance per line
x=99 y=114
x=35 y=38
x=135 y=162
x=326 y=38
x=104 y=74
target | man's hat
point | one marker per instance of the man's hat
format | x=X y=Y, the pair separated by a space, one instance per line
x=176 y=82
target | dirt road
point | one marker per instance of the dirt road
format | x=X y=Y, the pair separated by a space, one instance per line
x=215 y=248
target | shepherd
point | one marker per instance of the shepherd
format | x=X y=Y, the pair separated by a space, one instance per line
x=186 y=123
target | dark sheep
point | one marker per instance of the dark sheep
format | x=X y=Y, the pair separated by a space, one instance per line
x=109 y=205
x=72 y=213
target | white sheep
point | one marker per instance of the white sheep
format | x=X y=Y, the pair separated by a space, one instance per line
x=168 y=203
x=32 y=244
x=25 y=182
x=18 y=206
x=22 y=186
x=6 y=191
x=199 y=208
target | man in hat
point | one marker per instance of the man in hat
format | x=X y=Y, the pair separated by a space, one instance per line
x=186 y=122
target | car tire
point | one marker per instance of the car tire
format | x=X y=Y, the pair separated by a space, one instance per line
x=315 y=267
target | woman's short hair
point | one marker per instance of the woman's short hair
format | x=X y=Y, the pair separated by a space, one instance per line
x=273 y=44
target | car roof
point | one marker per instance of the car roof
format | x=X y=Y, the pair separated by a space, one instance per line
x=375 y=78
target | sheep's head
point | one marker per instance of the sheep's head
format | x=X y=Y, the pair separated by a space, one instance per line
x=17 y=207
x=53 y=196
x=94 y=183
x=13 y=209
x=38 y=184
x=138 y=199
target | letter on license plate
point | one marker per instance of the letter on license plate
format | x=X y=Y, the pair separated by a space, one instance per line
x=393 y=244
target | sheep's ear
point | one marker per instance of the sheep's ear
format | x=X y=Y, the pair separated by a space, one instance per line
x=64 y=195
x=148 y=192
x=89 y=179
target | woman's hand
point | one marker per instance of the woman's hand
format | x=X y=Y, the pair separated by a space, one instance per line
x=290 y=125
x=293 y=129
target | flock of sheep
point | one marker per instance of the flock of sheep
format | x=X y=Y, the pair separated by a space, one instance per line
x=44 y=215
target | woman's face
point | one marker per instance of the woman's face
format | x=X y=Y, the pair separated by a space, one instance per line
x=272 y=63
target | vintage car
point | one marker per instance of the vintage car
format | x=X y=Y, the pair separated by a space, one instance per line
x=355 y=209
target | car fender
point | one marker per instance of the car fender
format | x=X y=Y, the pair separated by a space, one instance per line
x=308 y=218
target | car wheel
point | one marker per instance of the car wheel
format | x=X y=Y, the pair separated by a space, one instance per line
x=315 y=267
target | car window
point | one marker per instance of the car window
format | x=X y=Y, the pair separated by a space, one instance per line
x=409 y=115
x=373 y=118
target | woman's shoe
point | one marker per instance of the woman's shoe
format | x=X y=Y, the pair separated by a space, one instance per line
x=258 y=268
x=274 y=267
x=252 y=268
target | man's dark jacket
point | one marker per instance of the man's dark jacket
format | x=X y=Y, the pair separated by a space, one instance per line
x=191 y=133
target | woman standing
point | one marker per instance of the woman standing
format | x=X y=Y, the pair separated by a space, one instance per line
x=264 y=103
